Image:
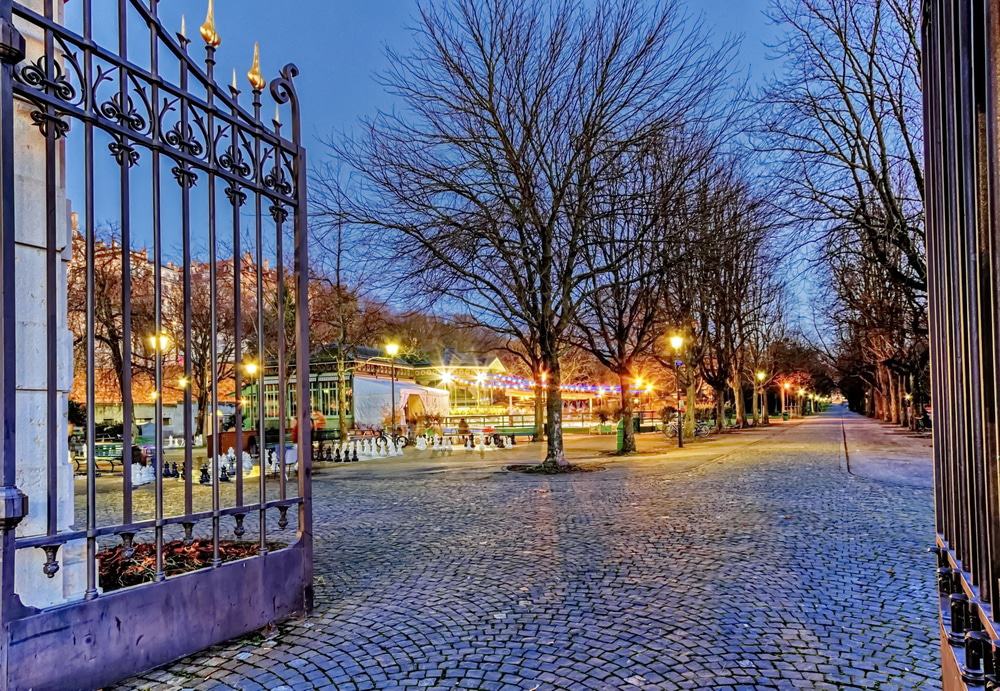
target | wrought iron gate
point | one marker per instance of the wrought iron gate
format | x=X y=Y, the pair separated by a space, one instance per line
x=181 y=165
x=961 y=84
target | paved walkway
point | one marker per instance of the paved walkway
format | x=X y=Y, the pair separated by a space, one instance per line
x=767 y=567
x=886 y=452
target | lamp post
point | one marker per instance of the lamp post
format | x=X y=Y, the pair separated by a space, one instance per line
x=677 y=342
x=784 y=390
x=392 y=350
x=761 y=376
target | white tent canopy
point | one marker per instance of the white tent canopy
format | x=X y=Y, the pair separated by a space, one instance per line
x=373 y=400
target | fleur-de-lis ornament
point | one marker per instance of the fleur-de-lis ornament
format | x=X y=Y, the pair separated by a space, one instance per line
x=254 y=75
x=208 y=32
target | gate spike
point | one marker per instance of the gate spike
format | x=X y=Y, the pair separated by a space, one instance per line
x=254 y=76
x=208 y=32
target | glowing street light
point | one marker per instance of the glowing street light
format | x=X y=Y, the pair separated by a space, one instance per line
x=158 y=342
x=761 y=393
x=677 y=342
x=182 y=382
x=251 y=368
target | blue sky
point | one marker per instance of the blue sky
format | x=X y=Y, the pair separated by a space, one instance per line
x=339 y=46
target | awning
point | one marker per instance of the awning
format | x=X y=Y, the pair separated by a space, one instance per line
x=373 y=400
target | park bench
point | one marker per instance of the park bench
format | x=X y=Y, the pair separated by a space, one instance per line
x=107 y=458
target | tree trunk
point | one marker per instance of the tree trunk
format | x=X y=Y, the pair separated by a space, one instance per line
x=739 y=407
x=202 y=402
x=342 y=426
x=690 y=409
x=894 y=402
x=539 y=432
x=764 y=403
x=628 y=432
x=554 y=452
x=720 y=409
x=754 y=408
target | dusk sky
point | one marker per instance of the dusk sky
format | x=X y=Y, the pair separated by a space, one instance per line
x=339 y=46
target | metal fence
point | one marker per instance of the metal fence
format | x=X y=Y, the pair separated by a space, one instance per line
x=961 y=69
x=134 y=112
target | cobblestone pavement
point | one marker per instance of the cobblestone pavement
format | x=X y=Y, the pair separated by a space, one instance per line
x=767 y=568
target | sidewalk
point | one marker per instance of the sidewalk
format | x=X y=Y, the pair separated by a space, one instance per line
x=885 y=452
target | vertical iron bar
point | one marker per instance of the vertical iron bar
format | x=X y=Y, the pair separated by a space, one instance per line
x=284 y=90
x=277 y=212
x=186 y=281
x=51 y=319
x=90 y=231
x=236 y=198
x=8 y=361
x=126 y=264
x=261 y=435
x=213 y=290
x=160 y=463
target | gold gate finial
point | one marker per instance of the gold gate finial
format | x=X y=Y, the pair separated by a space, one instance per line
x=254 y=75
x=208 y=31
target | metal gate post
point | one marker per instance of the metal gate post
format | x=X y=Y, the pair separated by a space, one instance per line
x=13 y=502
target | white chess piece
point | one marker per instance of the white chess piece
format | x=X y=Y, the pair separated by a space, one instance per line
x=421 y=443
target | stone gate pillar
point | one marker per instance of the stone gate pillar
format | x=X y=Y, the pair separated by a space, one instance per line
x=31 y=258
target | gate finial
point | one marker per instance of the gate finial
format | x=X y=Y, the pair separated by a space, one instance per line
x=208 y=31
x=254 y=75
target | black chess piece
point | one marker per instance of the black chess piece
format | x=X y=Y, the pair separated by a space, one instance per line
x=328 y=455
x=224 y=474
x=336 y=456
x=354 y=457
x=166 y=470
x=204 y=479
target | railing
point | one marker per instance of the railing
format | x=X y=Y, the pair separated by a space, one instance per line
x=961 y=90
x=150 y=139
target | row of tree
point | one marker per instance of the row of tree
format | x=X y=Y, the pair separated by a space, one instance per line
x=563 y=174
x=843 y=123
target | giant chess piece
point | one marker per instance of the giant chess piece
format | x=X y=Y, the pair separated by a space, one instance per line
x=204 y=479
x=336 y=454
x=354 y=457
x=224 y=474
x=421 y=443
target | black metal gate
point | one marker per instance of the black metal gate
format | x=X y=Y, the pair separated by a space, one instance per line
x=961 y=84
x=196 y=283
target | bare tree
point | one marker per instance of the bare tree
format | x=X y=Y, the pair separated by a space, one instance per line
x=844 y=129
x=512 y=111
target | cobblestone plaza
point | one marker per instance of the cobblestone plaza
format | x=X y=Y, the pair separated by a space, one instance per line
x=753 y=561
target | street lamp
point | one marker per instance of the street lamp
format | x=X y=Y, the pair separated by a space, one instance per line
x=761 y=376
x=392 y=350
x=158 y=342
x=784 y=404
x=677 y=342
